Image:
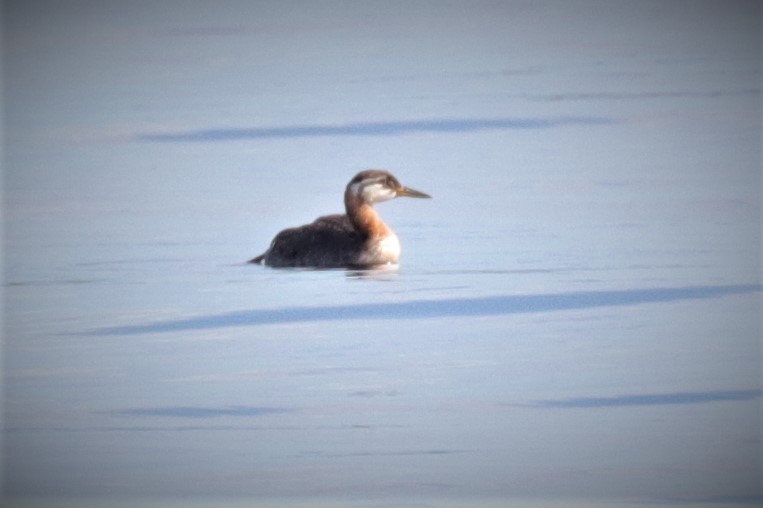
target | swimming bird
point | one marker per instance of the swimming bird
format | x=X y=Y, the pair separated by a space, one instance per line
x=357 y=239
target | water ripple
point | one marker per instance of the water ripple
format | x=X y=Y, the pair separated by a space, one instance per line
x=392 y=128
x=651 y=399
x=417 y=309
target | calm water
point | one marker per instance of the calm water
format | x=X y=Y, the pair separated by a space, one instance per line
x=576 y=316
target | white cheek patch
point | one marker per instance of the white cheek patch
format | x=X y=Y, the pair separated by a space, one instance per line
x=371 y=191
x=355 y=189
x=377 y=192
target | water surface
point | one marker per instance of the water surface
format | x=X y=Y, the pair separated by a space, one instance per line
x=575 y=320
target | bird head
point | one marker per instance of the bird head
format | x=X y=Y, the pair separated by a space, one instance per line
x=376 y=185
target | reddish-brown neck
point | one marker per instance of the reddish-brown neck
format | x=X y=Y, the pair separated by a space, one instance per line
x=363 y=217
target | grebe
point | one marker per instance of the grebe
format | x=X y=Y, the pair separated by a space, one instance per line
x=358 y=239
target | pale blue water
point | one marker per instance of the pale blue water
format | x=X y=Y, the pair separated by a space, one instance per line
x=576 y=316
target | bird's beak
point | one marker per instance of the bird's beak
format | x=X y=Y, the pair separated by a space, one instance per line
x=411 y=193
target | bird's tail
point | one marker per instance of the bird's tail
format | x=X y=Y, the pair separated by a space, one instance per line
x=258 y=260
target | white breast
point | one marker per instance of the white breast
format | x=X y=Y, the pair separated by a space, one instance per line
x=390 y=247
x=382 y=251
